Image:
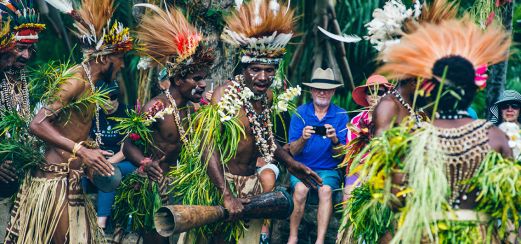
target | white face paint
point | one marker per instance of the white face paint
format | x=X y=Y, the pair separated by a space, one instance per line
x=193 y=91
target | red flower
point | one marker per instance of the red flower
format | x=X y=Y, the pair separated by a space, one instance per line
x=490 y=18
x=134 y=137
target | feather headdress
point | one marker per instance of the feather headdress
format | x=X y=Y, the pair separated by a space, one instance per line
x=171 y=41
x=26 y=20
x=97 y=32
x=394 y=20
x=7 y=39
x=417 y=53
x=261 y=29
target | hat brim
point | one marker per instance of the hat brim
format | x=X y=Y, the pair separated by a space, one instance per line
x=359 y=93
x=324 y=86
x=359 y=96
x=494 y=109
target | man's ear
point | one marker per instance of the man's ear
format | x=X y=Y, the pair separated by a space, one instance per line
x=178 y=81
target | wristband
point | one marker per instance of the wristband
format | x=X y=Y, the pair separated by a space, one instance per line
x=145 y=161
x=75 y=149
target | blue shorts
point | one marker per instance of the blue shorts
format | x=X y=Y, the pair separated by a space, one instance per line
x=330 y=177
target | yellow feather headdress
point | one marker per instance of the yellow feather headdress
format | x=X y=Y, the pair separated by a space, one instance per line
x=416 y=54
x=7 y=39
x=25 y=20
x=261 y=29
x=170 y=40
x=97 y=32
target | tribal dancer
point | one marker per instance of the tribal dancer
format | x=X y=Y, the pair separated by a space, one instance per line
x=17 y=47
x=170 y=40
x=239 y=122
x=452 y=184
x=26 y=26
x=63 y=214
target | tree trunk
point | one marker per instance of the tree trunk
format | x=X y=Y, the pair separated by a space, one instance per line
x=498 y=72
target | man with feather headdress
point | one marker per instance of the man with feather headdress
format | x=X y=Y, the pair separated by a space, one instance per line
x=63 y=214
x=171 y=42
x=19 y=35
x=260 y=30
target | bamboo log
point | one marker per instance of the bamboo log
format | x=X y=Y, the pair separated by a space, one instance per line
x=174 y=219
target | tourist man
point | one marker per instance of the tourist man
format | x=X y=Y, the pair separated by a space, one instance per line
x=316 y=135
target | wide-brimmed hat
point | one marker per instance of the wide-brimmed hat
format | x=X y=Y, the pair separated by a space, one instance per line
x=323 y=79
x=359 y=93
x=506 y=96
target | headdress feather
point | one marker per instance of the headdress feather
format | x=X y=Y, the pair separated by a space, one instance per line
x=96 y=31
x=417 y=53
x=261 y=29
x=169 y=39
x=26 y=20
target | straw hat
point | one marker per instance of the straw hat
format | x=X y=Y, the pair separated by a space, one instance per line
x=359 y=93
x=323 y=79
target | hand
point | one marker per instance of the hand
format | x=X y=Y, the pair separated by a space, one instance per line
x=208 y=95
x=307 y=132
x=95 y=158
x=234 y=206
x=331 y=133
x=7 y=172
x=153 y=170
x=304 y=174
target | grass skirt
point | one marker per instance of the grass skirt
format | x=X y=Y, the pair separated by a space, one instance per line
x=39 y=206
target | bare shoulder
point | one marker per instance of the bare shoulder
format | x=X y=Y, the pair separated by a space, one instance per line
x=386 y=103
x=76 y=84
x=218 y=93
x=498 y=140
x=156 y=101
x=269 y=93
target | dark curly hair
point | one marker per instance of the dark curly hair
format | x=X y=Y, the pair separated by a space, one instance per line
x=459 y=88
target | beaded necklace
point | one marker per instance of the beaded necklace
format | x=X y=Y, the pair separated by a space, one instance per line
x=400 y=99
x=86 y=68
x=452 y=115
x=177 y=118
x=261 y=127
x=15 y=95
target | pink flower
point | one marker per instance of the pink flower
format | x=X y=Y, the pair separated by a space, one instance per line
x=481 y=76
x=134 y=137
x=490 y=18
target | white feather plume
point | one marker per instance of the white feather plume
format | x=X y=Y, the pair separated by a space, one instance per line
x=238 y=4
x=64 y=6
x=342 y=38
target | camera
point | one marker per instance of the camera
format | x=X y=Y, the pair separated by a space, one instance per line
x=320 y=130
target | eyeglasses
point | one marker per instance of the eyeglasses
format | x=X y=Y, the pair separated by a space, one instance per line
x=113 y=97
x=515 y=106
x=372 y=92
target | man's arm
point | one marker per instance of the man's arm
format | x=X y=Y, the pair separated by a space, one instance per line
x=42 y=127
x=215 y=171
x=298 y=134
x=498 y=140
x=384 y=114
x=297 y=169
x=132 y=152
x=296 y=146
